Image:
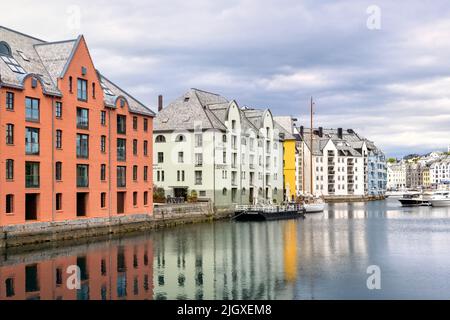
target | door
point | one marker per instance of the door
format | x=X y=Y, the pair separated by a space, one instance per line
x=31 y=203
x=81 y=204
x=120 y=202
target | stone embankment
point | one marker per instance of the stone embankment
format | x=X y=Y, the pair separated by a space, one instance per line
x=39 y=233
x=336 y=199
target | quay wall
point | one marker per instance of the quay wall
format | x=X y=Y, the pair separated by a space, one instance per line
x=348 y=198
x=39 y=233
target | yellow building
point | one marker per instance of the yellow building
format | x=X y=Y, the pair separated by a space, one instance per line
x=289 y=168
x=283 y=124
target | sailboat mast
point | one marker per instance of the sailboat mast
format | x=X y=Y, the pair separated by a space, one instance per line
x=311 y=151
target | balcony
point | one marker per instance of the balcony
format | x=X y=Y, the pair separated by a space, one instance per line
x=252 y=166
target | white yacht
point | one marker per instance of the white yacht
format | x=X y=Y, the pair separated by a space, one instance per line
x=440 y=199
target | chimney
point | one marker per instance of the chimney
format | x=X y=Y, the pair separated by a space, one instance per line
x=302 y=131
x=160 y=102
x=321 y=132
x=339 y=133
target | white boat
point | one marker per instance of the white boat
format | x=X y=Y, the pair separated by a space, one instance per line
x=314 y=207
x=440 y=199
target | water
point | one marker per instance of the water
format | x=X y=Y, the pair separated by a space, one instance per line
x=325 y=256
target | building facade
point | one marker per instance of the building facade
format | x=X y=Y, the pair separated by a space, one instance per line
x=340 y=163
x=75 y=144
x=226 y=154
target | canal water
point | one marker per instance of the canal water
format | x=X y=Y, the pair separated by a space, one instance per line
x=325 y=256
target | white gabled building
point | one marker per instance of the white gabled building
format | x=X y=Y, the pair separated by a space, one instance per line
x=440 y=171
x=339 y=162
x=227 y=154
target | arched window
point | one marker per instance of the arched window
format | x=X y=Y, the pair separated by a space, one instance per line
x=70 y=84
x=4 y=49
x=160 y=139
x=224 y=191
x=180 y=138
x=275 y=191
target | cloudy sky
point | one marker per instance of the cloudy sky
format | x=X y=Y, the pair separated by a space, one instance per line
x=391 y=84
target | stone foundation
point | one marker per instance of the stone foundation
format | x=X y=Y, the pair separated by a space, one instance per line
x=39 y=233
x=347 y=198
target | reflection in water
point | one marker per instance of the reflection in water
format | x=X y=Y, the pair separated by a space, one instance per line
x=325 y=255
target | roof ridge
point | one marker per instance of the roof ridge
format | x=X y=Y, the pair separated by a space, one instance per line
x=143 y=105
x=21 y=33
x=200 y=90
x=203 y=109
x=55 y=42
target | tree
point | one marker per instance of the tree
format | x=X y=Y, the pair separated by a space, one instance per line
x=159 y=195
x=392 y=160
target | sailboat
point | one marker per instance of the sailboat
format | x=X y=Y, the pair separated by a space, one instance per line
x=312 y=204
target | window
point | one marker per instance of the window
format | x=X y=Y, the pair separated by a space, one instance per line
x=103 y=172
x=5 y=49
x=121 y=149
x=58 y=139
x=70 y=84
x=31 y=109
x=198 y=159
x=31 y=174
x=82 y=146
x=9 y=133
x=146 y=173
x=103 y=118
x=32 y=141
x=82 y=175
x=82 y=118
x=58 y=171
x=135 y=147
x=180 y=157
x=58 y=109
x=103 y=144
x=121 y=176
x=180 y=175
x=122 y=103
x=93 y=90
x=135 y=123
x=9 y=203
x=145 y=148
x=198 y=140
x=9 y=169
x=59 y=201
x=160 y=157
x=82 y=90
x=160 y=139
x=135 y=173
x=145 y=125
x=180 y=138
x=198 y=177
x=9 y=101
x=135 y=196
x=224 y=155
x=224 y=191
x=145 y=198
x=121 y=124
x=103 y=200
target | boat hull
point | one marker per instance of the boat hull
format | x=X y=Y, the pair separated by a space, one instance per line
x=312 y=208
x=414 y=202
x=440 y=203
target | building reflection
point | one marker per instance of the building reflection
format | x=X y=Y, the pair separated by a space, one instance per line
x=290 y=251
x=108 y=271
x=225 y=261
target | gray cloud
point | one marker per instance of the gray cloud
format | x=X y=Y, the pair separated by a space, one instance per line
x=389 y=84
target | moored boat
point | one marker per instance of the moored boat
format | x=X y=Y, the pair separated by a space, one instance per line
x=268 y=212
x=414 y=200
x=314 y=207
x=440 y=199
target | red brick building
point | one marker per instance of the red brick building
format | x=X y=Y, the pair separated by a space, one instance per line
x=73 y=145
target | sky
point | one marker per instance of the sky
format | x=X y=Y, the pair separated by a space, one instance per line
x=379 y=67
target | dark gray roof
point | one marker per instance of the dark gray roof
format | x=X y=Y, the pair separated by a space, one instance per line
x=48 y=61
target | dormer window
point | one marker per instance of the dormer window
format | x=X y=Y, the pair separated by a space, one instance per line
x=4 y=49
x=180 y=138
